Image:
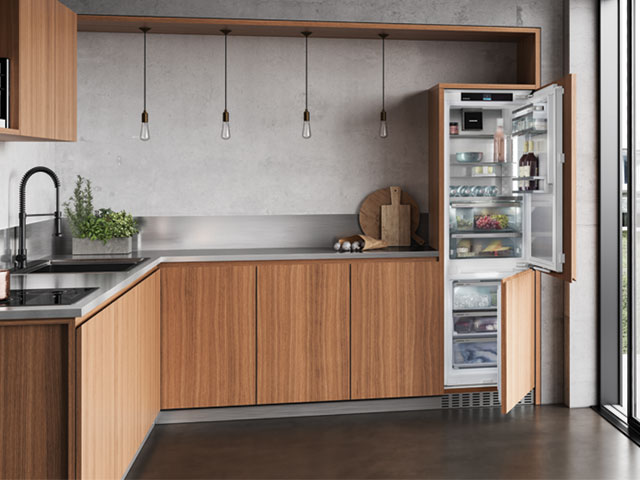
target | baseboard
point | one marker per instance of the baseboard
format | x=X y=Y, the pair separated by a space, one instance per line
x=349 y=407
x=142 y=444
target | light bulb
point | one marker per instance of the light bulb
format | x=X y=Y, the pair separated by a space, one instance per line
x=306 y=125
x=226 y=131
x=226 y=128
x=383 y=129
x=383 y=125
x=144 y=128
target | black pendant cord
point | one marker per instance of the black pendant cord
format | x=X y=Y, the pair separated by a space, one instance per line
x=306 y=70
x=226 y=34
x=383 y=36
x=144 y=71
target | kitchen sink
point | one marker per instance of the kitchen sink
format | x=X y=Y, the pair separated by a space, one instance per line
x=89 y=265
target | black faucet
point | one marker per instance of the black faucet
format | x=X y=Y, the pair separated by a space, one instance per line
x=21 y=257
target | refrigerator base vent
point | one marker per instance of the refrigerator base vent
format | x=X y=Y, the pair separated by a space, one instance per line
x=478 y=399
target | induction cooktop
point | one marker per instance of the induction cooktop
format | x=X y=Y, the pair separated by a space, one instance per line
x=31 y=297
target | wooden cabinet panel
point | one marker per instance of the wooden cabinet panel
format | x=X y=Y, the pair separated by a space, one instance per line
x=518 y=314
x=34 y=401
x=40 y=39
x=396 y=329
x=569 y=105
x=119 y=381
x=303 y=332
x=137 y=366
x=97 y=397
x=208 y=335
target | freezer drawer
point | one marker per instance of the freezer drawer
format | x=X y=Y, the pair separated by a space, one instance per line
x=475 y=324
x=469 y=296
x=475 y=352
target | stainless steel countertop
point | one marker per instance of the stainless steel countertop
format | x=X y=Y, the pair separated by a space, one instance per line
x=110 y=284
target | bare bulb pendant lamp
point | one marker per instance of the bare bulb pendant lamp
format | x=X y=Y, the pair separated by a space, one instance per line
x=226 y=128
x=383 y=114
x=144 y=128
x=306 y=118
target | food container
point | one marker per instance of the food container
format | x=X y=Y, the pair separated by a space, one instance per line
x=5 y=285
x=463 y=325
x=469 y=157
x=454 y=129
x=464 y=219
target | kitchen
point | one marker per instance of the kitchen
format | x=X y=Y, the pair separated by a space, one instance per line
x=267 y=194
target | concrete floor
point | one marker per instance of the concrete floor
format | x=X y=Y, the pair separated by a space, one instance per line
x=531 y=442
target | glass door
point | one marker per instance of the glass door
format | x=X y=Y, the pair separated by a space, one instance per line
x=537 y=144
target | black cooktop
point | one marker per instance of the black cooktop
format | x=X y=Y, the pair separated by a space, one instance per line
x=32 y=297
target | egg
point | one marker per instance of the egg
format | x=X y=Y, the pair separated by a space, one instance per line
x=346 y=247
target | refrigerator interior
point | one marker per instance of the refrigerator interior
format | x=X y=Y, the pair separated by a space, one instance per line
x=501 y=214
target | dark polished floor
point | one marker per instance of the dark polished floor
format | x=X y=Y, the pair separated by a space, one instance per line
x=531 y=442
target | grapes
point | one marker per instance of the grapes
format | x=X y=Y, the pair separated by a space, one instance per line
x=491 y=222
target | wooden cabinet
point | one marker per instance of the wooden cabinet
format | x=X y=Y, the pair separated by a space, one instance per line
x=303 y=332
x=208 y=335
x=40 y=39
x=36 y=399
x=118 y=381
x=396 y=329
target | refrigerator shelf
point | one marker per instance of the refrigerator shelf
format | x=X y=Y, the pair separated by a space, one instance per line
x=477 y=136
x=506 y=233
x=484 y=202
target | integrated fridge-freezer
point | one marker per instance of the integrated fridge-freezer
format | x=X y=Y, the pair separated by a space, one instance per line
x=503 y=217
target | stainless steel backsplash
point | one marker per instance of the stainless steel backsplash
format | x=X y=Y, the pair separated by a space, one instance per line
x=190 y=232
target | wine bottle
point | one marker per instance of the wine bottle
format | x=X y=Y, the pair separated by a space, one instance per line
x=532 y=160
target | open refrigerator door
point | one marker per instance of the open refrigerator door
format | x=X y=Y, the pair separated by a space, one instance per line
x=536 y=141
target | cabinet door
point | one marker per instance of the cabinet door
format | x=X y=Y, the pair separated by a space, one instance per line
x=517 y=342
x=119 y=381
x=569 y=177
x=97 y=456
x=208 y=335
x=303 y=332
x=396 y=329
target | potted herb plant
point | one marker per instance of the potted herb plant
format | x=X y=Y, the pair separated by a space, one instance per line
x=100 y=231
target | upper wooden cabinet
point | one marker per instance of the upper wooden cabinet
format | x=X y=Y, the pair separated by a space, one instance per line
x=396 y=329
x=208 y=335
x=303 y=332
x=40 y=39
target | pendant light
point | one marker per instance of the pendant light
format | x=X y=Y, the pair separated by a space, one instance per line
x=306 y=118
x=383 y=114
x=144 y=128
x=226 y=128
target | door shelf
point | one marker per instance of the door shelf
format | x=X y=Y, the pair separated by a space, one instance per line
x=529 y=131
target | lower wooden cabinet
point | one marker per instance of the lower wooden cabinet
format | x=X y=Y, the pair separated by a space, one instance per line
x=396 y=329
x=208 y=335
x=303 y=332
x=118 y=381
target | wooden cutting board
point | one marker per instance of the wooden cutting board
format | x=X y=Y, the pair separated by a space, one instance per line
x=370 y=213
x=395 y=221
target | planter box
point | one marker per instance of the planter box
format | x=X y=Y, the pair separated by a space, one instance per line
x=85 y=246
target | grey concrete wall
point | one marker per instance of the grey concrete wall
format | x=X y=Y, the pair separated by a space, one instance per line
x=266 y=167
x=581 y=326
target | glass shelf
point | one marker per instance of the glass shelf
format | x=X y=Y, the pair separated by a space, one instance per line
x=475 y=136
x=506 y=233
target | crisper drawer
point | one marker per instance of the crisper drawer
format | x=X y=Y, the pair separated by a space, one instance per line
x=475 y=296
x=475 y=352
x=475 y=324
